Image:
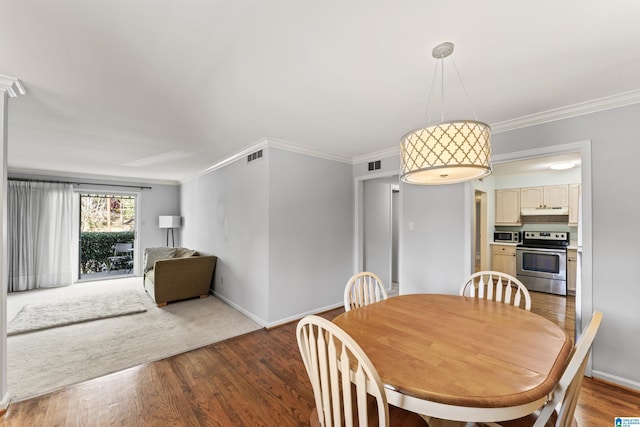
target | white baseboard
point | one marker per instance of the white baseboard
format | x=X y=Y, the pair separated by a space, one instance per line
x=265 y=324
x=624 y=382
x=301 y=315
x=251 y=316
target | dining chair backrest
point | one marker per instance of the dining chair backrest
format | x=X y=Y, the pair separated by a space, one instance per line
x=341 y=374
x=565 y=395
x=362 y=289
x=496 y=286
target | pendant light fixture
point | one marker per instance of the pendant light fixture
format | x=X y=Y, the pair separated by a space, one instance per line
x=447 y=152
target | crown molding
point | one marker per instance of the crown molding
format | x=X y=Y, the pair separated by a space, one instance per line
x=593 y=106
x=12 y=86
x=295 y=148
x=271 y=143
x=263 y=143
x=389 y=152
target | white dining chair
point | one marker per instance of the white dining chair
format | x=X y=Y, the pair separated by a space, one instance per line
x=496 y=286
x=362 y=289
x=560 y=409
x=346 y=385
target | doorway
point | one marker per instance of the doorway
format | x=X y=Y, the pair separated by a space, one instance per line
x=480 y=241
x=106 y=237
x=583 y=232
x=378 y=232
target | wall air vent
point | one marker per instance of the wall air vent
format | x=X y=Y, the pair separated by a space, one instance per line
x=374 y=166
x=254 y=156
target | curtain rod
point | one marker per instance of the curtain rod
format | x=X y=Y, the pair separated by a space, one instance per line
x=79 y=183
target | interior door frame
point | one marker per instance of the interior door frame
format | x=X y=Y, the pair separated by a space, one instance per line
x=481 y=227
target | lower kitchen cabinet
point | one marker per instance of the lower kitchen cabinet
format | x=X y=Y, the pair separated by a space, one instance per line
x=503 y=258
x=572 y=270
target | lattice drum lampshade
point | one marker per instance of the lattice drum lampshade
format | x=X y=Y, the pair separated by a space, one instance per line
x=446 y=153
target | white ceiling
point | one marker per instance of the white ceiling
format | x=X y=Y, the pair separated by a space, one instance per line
x=160 y=90
x=535 y=165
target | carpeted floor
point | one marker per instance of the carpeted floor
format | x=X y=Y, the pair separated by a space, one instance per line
x=75 y=309
x=45 y=360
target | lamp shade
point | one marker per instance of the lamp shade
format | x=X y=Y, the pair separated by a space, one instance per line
x=446 y=153
x=169 y=221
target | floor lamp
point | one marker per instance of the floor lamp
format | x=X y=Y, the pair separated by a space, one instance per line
x=169 y=222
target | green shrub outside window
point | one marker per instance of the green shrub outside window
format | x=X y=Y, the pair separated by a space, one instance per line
x=97 y=247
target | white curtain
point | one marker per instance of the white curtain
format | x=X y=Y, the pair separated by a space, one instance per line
x=39 y=235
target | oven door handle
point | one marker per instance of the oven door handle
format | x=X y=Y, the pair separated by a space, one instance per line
x=559 y=251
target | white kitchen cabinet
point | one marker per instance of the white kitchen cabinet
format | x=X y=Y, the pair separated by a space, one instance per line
x=503 y=258
x=531 y=197
x=556 y=196
x=508 y=206
x=572 y=270
x=551 y=196
x=574 y=204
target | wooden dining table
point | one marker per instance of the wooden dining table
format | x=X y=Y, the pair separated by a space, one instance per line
x=460 y=358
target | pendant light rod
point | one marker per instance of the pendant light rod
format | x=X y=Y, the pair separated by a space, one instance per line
x=440 y=52
x=464 y=89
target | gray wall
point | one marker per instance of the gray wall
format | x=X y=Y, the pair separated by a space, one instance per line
x=310 y=234
x=432 y=256
x=282 y=229
x=160 y=200
x=615 y=147
x=225 y=213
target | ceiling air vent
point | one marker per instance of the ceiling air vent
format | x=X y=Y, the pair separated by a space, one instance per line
x=254 y=156
x=374 y=166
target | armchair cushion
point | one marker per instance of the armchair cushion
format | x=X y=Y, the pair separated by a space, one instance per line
x=151 y=255
x=184 y=253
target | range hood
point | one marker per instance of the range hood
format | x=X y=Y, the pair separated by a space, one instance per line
x=544 y=215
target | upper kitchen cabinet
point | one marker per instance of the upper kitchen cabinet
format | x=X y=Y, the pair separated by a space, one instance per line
x=574 y=204
x=551 y=196
x=508 y=206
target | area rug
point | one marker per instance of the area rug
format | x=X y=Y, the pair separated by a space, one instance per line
x=45 y=315
x=48 y=359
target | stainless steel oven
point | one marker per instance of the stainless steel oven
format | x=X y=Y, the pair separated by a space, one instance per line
x=541 y=261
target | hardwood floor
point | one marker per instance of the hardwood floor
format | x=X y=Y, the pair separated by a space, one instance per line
x=257 y=379
x=560 y=310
